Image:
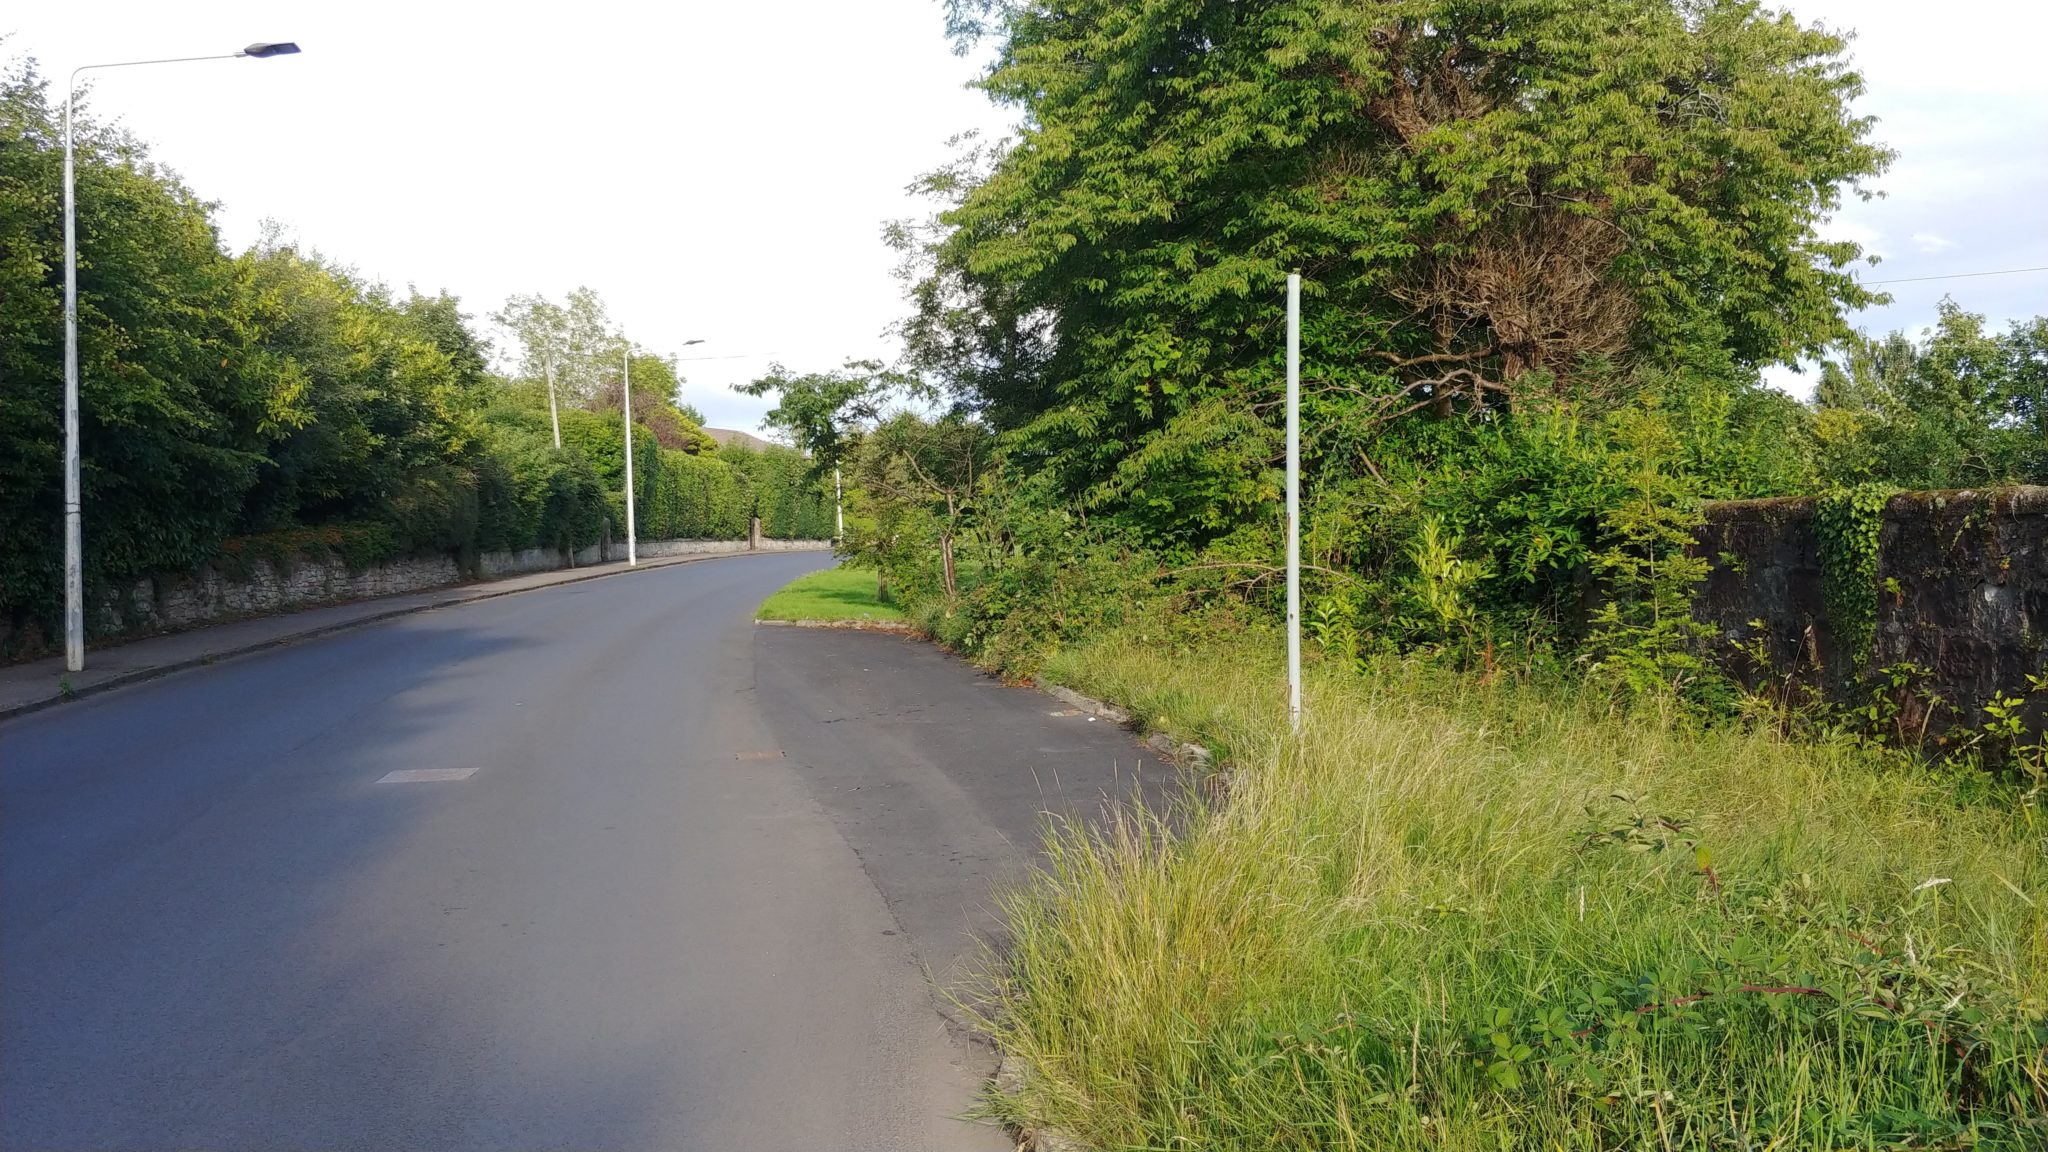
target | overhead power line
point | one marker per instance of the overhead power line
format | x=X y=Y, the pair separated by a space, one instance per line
x=1956 y=276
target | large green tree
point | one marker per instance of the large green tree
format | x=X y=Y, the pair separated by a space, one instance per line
x=1493 y=205
x=655 y=386
x=825 y=413
x=277 y=391
x=171 y=426
x=576 y=339
x=1960 y=407
x=371 y=416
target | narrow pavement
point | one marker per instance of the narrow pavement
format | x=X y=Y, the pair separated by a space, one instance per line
x=672 y=882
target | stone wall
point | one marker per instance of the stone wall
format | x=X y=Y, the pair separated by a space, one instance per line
x=159 y=604
x=1965 y=592
x=652 y=548
x=491 y=565
x=165 y=604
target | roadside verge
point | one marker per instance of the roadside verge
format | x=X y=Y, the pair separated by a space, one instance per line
x=841 y=597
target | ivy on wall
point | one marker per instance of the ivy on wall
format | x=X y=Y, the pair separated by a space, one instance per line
x=1848 y=523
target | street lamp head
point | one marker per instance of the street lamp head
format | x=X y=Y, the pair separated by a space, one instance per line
x=687 y=343
x=262 y=51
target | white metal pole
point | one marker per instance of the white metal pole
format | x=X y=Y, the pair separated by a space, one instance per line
x=74 y=560
x=1294 y=500
x=838 y=509
x=554 y=417
x=74 y=550
x=626 y=380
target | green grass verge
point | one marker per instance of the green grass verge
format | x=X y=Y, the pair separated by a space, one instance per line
x=1467 y=915
x=836 y=594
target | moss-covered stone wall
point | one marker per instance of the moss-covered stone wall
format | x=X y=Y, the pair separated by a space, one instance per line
x=1962 y=591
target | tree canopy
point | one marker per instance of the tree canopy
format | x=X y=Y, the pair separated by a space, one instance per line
x=277 y=391
x=1547 y=249
x=1959 y=408
x=1491 y=204
x=824 y=413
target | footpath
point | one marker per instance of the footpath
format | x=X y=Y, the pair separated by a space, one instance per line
x=38 y=684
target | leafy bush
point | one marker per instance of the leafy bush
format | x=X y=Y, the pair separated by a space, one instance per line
x=172 y=430
x=792 y=501
x=358 y=546
x=531 y=496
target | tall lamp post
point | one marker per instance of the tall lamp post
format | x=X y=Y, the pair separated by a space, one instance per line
x=74 y=560
x=626 y=387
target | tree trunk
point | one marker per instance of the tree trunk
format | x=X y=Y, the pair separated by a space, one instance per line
x=946 y=547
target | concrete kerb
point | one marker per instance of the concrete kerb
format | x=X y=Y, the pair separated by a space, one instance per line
x=1098 y=708
x=1194 y=754
x=458 y=594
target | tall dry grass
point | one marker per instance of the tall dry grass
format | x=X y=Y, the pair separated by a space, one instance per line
x=1456 y=915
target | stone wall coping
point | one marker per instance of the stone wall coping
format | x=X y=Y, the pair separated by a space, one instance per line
x=2010 y=500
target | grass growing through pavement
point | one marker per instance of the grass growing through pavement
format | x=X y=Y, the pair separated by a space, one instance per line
x=1459 y=915
x=836 y=594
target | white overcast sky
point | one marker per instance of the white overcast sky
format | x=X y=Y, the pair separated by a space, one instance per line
x=721 y=171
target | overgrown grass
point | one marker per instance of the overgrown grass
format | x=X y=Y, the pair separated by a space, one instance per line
x=836 y=594
x=1459 y=914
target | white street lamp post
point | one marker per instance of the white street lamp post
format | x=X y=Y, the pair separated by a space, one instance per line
x=74 y=559
x=1294 y=500
x=626 y=387
x=626 y=384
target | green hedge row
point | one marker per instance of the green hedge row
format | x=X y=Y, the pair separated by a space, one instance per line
x=235 y=406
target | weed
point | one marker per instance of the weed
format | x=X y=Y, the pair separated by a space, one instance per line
x=1487 y=913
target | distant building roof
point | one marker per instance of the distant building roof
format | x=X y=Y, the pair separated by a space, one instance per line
x=728 y=436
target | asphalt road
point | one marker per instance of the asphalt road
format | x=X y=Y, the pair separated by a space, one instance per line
x=686 y=896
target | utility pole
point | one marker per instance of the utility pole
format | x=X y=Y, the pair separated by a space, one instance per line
x=1294 y=501
x=838 y=508
x=626 y=385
